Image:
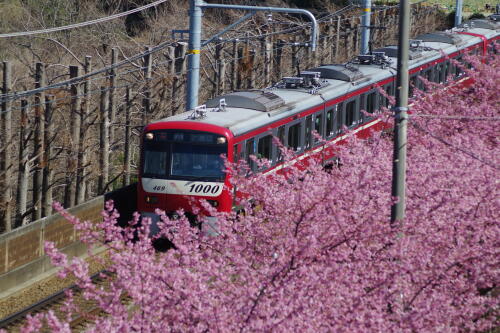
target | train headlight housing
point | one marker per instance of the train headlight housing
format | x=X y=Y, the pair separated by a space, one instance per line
x=151 y=199
x=213 y=203
x=149 y=136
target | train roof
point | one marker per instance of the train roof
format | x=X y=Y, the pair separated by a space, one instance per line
x=244 y=111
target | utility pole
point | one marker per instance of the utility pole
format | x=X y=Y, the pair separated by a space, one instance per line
x=401 y=115
x=365 y=22
x=458 y=13
x=195 y=15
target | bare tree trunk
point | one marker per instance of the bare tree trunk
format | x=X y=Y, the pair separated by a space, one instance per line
x=234 y=66
x=295 y=58
x=337 y=39
x=38 y=150
x=180 y=70
x=128 y=138
x=220 y=71
x=146 y=101
x=81 y=178
x=23 y=166
x=48 y=172
x=104 y=142
x=72 y=158
x=267 y=54
x=279 y=58
x=112 y=97
x=6 y=167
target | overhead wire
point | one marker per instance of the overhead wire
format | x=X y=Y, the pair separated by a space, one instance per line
x=464 y=151
x=81 y=24
x=157 y=48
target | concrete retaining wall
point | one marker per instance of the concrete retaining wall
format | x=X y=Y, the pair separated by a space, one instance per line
x=22 y=257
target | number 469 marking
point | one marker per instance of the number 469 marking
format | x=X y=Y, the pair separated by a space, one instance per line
x=159 y=188
x=205 y=189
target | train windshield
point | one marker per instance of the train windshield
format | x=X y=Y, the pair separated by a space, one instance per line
x=174 y=154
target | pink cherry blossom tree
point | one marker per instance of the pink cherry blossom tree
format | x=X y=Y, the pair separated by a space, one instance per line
x=314 y=250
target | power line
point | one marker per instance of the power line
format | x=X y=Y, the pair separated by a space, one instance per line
x=455 y=117
x=76 y=80
x=466 y=152
x=82 y=24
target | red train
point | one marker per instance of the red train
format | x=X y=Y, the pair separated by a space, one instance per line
x=181 y=155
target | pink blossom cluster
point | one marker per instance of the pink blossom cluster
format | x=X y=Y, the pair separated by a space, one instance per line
x=314 y=251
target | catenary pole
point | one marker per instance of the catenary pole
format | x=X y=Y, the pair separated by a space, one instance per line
x=195 y=16
x=365 y=34
x=401 y=115
x=458 y=13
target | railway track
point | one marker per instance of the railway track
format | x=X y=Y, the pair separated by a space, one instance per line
x=54 y=302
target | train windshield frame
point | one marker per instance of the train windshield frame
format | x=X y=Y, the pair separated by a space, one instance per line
x=184 y=155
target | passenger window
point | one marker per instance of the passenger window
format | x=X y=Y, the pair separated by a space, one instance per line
x=458 y=70
x=412 y=86
x=249 y=150
x=318 y=126
x=329 y=123
x=281 y=137
x=235 y=153
x=294 y=136
x=264 y=148
x=371 y=101
x=384 y=101
x=350 y=113
x=339 y=117
x=308 y=138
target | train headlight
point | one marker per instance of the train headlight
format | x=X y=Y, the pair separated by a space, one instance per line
x=213 y=203
x=221 y=140
x=149 y=136
x=151 y=199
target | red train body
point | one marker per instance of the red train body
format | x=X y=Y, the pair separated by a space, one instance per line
x=180 y=155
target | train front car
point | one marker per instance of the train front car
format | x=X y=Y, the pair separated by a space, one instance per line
x=181 y=163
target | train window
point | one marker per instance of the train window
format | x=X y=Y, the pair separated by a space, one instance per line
x=235 y=153
x=446 y=70
x=249 y=150
x=350 y=113
x=429 y=75
x=458 y=69
x=264 y=148
x=281 y=137
x=339 y=117
x=294 y=136
x=371 y=102
x=384 y=101
x=155 y=163
x=309 y=129
x=412 y=85
x=329 y=123
x=318 y=126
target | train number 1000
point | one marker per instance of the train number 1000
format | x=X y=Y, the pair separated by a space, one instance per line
x=204 y=189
